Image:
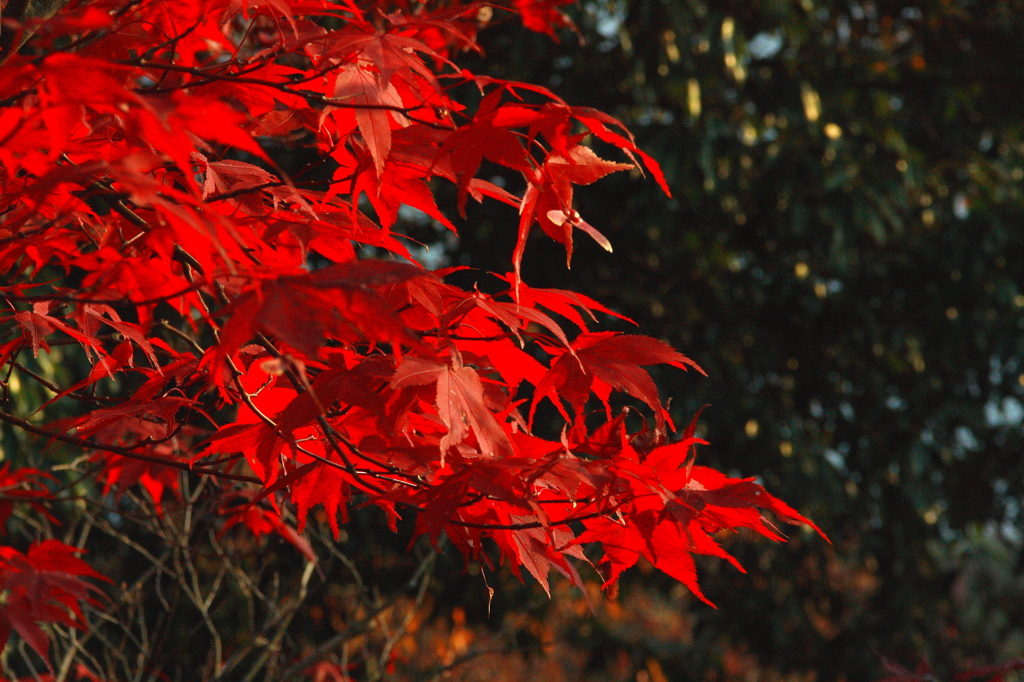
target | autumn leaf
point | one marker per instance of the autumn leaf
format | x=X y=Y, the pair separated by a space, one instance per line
x=364 y=89
x=460 y=405
x=22 y=485
x=481 y=139
x=343 y=301
x=550 y=194
x=543 y=16
x=606 y=361
x=46 y=585
x=260 y=521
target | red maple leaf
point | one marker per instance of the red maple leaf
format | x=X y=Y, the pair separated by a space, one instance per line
x=606 y=361
x=22 y=485
x=43 y=586
x=460 y=402
x=543 y=16
x=549 y=198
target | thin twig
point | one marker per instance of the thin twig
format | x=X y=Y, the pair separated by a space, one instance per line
x=362 y=625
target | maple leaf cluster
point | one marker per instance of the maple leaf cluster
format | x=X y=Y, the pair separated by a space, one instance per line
x=146 y=222
x=43 y=586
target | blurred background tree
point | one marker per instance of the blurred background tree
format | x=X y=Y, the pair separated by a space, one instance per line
x=843 y=255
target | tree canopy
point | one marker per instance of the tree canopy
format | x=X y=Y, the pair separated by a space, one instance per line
x=252 y=352
x=213 y=329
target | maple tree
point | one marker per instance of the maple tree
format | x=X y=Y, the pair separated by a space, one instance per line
x=268 y=343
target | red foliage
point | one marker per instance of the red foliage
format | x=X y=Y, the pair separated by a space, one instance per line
x=145 y=221
x=43 y=586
